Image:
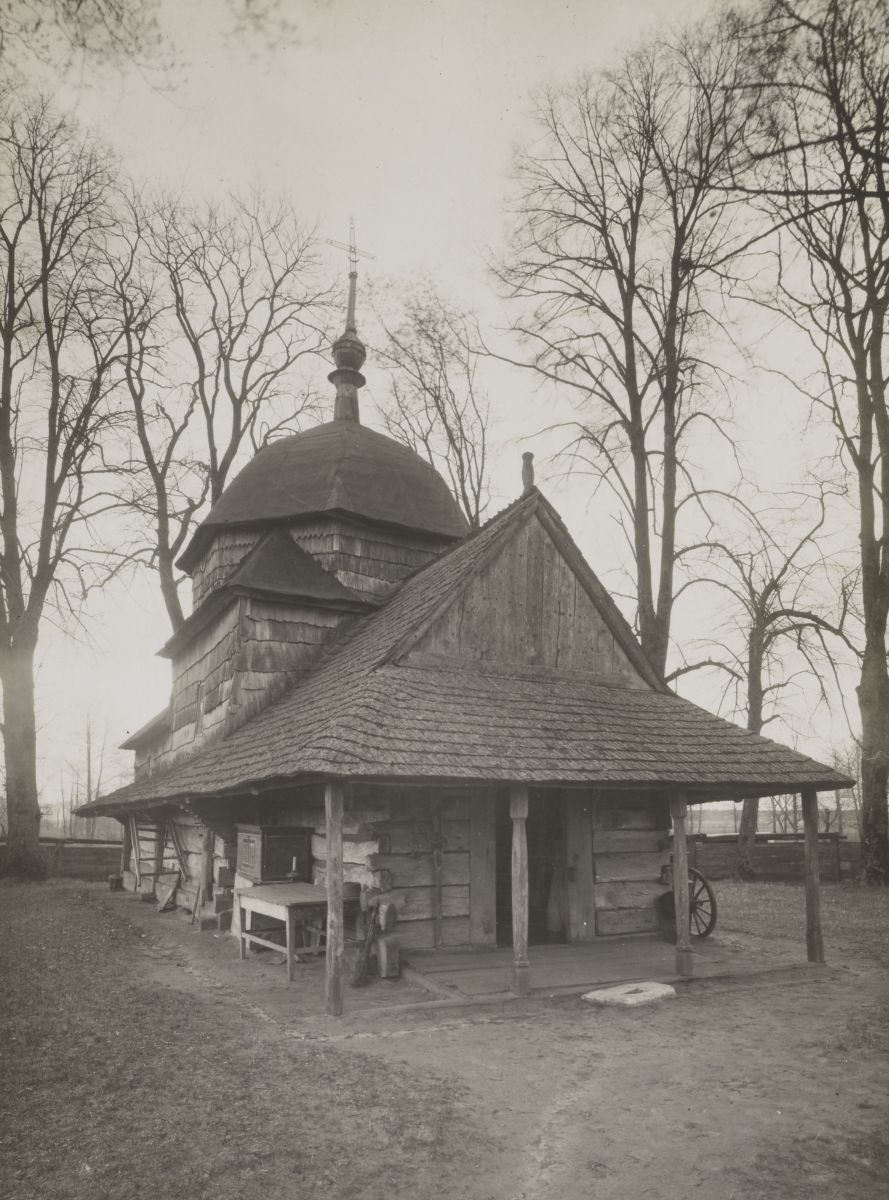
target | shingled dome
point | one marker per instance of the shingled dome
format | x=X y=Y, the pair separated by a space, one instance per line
x=339 y=467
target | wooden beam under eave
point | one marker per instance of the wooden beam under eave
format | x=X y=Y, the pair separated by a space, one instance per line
x=678 y=813
x=521 y=967
x=333 y=978
x=814 y=939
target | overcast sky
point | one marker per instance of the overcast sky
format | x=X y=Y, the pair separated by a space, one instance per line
x=405 y=114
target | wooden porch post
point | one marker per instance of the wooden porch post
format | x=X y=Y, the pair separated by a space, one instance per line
x=333 y=813
x=678 y=811
x=137 y=851
x=125 y=846
x=814 y=940
x=160 y=840
x=521 y=967
x=208 y=844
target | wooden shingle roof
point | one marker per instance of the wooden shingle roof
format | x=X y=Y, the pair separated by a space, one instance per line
x=367 y=711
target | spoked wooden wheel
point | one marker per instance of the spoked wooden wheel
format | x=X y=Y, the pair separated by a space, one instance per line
x=701 y=905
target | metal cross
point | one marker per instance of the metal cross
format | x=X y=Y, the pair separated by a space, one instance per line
x=352 y=247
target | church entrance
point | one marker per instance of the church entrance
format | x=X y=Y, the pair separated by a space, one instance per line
x=547 y=892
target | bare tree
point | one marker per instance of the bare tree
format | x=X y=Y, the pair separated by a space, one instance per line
x=60 y=29
x=57 y=357
x=218 y=306
x=821 y=162
x=848 y=760
x=625 y=237
x=63 y=32
x=435 y=404
x=777 y=587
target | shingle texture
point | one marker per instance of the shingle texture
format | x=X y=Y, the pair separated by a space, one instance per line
x=338 y=467
x=275 y=567
x=363 y=712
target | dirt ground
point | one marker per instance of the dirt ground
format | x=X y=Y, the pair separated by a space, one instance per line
x=140 y=1059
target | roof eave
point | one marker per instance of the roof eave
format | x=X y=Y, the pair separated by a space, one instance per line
x=160 y=723
x=697 y=792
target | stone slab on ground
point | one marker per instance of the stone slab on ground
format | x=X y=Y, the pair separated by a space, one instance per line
x=631 y=995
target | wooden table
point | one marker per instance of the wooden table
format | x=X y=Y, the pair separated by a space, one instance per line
x=288 y=902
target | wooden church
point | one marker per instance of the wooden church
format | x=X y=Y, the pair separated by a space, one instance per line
x=454 y=731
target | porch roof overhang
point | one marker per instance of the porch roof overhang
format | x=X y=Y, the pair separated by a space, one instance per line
x=425 y=725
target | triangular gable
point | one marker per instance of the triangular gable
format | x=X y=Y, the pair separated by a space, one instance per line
x=277 y=568
x=533 y=602
x=278 y=565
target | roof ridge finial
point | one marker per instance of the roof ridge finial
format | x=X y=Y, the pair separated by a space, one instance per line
x=527 y=472
x=348 y=350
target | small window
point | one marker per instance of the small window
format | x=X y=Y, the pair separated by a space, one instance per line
x=199 y=709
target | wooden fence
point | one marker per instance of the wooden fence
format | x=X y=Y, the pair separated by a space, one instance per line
x=777 y=857
x=76 y=858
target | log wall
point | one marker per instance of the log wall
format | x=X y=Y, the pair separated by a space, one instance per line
x=190 y=834
x=430 y=853
x=424 y=852
x=629 y=856
x=390 y=838
x=163 y=855
x=528 y=607
x=393 y=838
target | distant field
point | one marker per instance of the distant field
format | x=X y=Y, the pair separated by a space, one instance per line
x=853 y=917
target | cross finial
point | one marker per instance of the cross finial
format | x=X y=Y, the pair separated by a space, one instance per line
x=354 y=254
x=348 y=350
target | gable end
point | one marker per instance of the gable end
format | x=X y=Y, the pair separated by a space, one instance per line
x=528 y=606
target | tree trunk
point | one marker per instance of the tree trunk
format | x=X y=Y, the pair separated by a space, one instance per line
x=747 y=838
x=873 y=704
x=167 y=575
x=750 y=811
x=23 y=855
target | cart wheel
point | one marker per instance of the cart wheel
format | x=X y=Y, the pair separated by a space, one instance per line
x=701 y=905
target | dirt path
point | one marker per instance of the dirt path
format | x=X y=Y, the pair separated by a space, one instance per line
x=127 y=1076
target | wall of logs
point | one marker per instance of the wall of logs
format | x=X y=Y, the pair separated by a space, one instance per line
x=430 y=852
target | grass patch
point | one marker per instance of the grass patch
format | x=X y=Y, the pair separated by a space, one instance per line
x=854 y=917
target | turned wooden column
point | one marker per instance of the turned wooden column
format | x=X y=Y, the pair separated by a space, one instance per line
x=814 y=940
x=678 y=812
x=521 y=967
x=333 y=814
